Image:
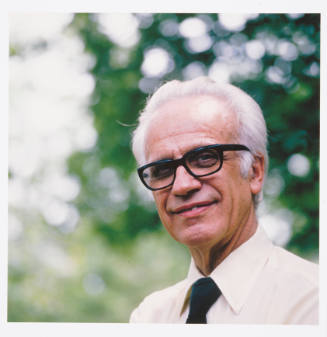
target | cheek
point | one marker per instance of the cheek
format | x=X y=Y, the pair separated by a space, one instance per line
x=242 y=199
x=235 y=191
x=161 y=201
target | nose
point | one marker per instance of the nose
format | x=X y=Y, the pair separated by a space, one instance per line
x=184 y=183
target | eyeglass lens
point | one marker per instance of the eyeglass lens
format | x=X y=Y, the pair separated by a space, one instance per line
x=199 y=163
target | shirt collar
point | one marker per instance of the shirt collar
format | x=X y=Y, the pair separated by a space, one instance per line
x=237 y=273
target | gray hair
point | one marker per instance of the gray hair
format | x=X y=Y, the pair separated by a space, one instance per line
x=252 y=130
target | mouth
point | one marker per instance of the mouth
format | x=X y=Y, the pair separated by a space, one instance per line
x=193 y=209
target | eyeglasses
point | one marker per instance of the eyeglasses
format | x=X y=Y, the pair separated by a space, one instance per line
x=199 y=162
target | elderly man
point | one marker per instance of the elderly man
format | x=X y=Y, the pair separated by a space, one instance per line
x=202 y=147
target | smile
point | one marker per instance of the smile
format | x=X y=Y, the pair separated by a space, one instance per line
x=193 y=209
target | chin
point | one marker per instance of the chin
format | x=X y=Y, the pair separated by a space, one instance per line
x=195 y=236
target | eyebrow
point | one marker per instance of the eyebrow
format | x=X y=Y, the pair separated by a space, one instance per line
x=159 y=159
x=171 y=158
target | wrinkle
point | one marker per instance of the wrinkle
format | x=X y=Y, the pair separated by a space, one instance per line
x=207 y=259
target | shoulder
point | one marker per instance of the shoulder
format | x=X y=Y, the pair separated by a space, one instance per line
x=294 y=284
x=292 y=266
x=156 y=306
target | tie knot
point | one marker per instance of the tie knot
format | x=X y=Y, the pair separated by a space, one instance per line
x=204 y=294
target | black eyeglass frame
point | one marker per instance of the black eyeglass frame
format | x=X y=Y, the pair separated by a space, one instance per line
x=182 y=161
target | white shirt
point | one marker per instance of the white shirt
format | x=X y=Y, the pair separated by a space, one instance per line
x=260 y=284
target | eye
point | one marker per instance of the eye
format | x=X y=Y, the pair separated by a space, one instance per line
x=205 y=158
x=161 y=171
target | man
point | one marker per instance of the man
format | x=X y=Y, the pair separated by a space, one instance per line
x=202 y=151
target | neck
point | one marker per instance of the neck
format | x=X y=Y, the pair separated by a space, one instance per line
x=208 y=258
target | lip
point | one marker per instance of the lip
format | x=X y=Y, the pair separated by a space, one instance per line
x=193 y=209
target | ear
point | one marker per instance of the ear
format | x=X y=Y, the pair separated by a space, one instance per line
x=256 y=174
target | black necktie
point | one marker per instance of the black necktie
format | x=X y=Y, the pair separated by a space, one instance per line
x=204 y=294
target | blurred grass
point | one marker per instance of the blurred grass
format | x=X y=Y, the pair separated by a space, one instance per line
x=45 y=293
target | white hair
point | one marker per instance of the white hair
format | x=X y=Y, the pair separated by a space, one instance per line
x=251 y=127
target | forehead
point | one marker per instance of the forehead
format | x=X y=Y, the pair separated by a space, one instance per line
x=187 y=122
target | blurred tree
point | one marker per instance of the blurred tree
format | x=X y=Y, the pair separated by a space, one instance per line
x=275 y=58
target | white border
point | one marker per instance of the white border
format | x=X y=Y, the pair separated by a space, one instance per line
x=255 y=6
x=171 y=6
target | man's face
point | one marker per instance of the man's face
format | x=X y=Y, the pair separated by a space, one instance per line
x=208 y=211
